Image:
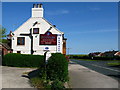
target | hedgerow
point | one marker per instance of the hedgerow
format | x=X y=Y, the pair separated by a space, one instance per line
x=23 y=60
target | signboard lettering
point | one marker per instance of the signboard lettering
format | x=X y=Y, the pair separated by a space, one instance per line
x=48 y=39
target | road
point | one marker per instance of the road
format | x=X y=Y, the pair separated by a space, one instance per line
x=101 y=67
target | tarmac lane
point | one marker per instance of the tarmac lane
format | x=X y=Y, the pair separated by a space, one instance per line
x=83 y=77
x=101 y=67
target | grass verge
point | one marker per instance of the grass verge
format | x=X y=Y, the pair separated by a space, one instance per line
x=94 y=60
x=114 y=64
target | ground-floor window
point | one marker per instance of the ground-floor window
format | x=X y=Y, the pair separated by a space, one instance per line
x=18 y=51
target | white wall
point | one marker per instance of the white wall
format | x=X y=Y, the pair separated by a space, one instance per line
x=43 y=26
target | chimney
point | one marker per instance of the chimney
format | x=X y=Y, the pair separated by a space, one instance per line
x=39 y=5
x=34 y=6
x=37 y=10
x=54 y=25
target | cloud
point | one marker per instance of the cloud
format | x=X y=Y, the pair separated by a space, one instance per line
x=57 y=12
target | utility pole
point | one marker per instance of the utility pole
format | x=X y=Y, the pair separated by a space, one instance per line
x=68 y=50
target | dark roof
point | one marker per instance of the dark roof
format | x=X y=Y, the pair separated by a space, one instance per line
x=5 y=45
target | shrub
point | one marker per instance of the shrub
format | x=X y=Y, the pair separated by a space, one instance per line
x=57 y=67
x=23 y=60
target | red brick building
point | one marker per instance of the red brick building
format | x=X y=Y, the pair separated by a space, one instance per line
x=5 y=49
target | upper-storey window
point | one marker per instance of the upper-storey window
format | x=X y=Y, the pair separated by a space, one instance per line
x=35 y=30
x=20 y=40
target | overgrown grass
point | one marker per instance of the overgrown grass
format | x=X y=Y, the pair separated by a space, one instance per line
x=37 y=82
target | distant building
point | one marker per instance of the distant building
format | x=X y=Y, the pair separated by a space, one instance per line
x=108 y=53
x=101 y=54
x=117 y=53
x=37 y=35
x=5 y=49
x=105 y=54
x=94 y=54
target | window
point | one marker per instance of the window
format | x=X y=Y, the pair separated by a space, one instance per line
x=18 y=51
x=35 y=30
x=20 y=40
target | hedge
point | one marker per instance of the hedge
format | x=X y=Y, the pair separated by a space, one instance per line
x=94 y=57
x=23 y=60
x=80 y=56
x=57 y=68
x=106 y=58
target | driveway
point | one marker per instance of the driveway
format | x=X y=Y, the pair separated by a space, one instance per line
x=12 y=77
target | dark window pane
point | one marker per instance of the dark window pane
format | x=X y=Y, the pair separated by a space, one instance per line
x=18 y=51
x=35 y=30
x=20 y=40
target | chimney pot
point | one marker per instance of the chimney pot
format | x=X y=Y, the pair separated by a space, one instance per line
x=34 y=5
x=37 y=10
x=39 y=5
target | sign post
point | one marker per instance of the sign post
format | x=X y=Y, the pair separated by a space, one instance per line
x=45 y=63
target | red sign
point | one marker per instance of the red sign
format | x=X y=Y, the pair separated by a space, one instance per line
x=48 y=39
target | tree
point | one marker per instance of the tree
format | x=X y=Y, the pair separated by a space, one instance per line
x=2 y=33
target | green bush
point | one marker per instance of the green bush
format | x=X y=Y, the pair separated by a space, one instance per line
x=57 y=67
x=23 y=60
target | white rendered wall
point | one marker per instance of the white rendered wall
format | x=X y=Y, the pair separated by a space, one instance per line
x=43 y=26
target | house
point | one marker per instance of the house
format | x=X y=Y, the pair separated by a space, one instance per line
x=117 y=53
x=101 y=54
x=37 y=35
x=94 y=54
x=4 y=49
x=108 y=53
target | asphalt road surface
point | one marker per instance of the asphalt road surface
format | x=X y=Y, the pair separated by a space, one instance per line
x=101 y=67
